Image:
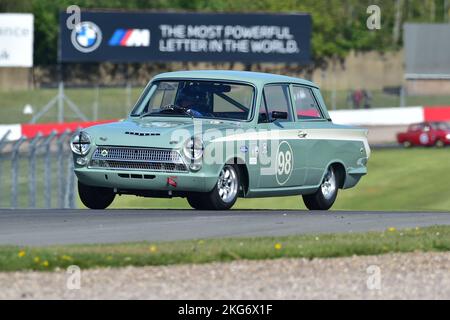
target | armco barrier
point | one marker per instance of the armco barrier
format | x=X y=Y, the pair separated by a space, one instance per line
x=437 y=113
x=391 y=116
x=379 y=117
x=31 y=130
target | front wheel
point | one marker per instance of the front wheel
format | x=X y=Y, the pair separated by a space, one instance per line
x=325 y=196
x=95 y=197
x=224 y=194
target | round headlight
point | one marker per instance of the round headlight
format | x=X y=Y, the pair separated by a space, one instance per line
x=193 y=148
x=80 y=143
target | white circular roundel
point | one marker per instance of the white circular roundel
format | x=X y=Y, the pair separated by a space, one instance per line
x=285 y=163
x=424 y=138
x=86 y=36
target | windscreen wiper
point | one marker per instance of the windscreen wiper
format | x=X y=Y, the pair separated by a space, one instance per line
x=170 y=108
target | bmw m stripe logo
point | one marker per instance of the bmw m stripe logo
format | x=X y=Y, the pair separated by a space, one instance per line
x=130 y=38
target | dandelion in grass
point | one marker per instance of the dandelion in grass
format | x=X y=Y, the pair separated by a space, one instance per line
x=45 y=263
x=278 y=246
x=21 y=254
x=392 y=229
x=153 y=249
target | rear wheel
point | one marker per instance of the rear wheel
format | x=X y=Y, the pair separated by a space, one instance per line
x=224 y=194
x=325 y=196
x=95 y=197
x=407 y=144
x=440 y=144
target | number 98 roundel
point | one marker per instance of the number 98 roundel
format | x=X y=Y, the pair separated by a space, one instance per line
x=285 y=163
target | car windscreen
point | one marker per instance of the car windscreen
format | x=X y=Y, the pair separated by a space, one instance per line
x=198 y=99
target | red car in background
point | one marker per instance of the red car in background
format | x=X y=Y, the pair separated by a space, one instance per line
x=426 y=134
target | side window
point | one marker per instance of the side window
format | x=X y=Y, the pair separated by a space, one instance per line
x=305 y=105
x=277 y=99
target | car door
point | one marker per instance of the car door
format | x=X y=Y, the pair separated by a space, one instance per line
x=421 y=134
x=283 y=165
x=316 y=153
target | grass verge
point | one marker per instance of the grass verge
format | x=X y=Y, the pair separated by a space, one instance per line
x=13 y=258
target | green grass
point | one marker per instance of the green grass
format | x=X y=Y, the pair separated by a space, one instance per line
x=399 y=180
x=222 y=250
x=114 y=102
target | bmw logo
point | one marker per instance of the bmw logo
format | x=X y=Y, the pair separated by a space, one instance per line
x=86 y=36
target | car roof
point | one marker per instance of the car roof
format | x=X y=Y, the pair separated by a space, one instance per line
x=247 y=76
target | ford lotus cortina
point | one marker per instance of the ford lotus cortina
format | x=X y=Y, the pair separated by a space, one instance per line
x=215 y=136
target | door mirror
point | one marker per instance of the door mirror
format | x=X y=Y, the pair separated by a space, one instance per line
x=279 y=115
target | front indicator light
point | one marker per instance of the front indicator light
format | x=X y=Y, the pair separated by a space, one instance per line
x=81 y=161
x=195 y=166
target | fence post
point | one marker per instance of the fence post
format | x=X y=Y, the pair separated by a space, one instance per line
x=15 y=170
x=32 y=171
x=47 y=170
x=61 y=183
x=69 y=200
x=3 y=142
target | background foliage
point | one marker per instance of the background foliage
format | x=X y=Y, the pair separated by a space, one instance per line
x=338 y=25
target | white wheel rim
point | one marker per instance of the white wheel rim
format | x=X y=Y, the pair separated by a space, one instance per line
x=227 y=185
x=329 y=184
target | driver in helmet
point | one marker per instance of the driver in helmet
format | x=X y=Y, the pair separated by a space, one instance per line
x=191 y=102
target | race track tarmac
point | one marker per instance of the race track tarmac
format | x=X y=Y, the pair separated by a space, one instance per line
x=53 y=227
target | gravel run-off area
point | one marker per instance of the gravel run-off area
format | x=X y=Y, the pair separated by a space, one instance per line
x=391 y=276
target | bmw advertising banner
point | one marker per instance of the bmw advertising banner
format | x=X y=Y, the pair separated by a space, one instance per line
x=156 y=36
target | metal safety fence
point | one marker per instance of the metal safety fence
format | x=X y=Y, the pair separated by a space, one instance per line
x=37 y=172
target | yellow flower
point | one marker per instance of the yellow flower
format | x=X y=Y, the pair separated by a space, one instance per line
x=45 y=263
x=66 y=258
x=392 y=229
x=153 y=249
x=278 y=246
x=21 y=254
x=201 y=242
x=36 y=259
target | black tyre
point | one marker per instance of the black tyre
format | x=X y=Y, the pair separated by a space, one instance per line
x=196 y=202
x=325 y=196
x=407 y=144
x=440 y=144
x=224 y=194
x=95 y=197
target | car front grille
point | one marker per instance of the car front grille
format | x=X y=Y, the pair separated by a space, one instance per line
x=127 y=158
